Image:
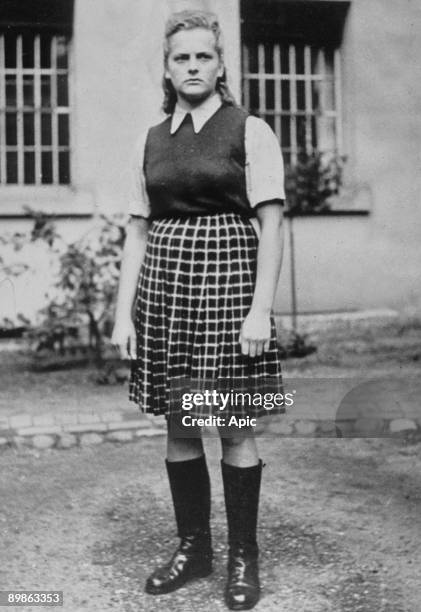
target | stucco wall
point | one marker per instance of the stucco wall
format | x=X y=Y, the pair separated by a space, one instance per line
x=118 y=71
x=372 y=261
x=342 y=262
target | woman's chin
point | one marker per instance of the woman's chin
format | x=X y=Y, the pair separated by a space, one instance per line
x=195 y=95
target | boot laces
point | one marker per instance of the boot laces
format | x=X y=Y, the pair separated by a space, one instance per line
x=238 y=570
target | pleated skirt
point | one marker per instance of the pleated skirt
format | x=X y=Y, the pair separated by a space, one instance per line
x=195 y=289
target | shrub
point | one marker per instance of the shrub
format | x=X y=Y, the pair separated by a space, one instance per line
x=312 y=181
x=84 y=290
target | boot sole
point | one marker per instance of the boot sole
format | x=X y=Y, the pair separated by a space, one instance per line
x=193 y=575
x=242 y=606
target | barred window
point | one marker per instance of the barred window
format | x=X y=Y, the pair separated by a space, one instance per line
x=291 y=69
x=34 y=108
x=296 y=88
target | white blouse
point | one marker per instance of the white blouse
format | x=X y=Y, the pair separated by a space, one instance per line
x=264 y=165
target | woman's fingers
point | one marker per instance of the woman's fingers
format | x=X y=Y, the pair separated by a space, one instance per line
x=244 y=346
x=260 y=347
x=115 y=342
x=122 y=350
x=124 y=341
x=252 y=347
x=131 y=347
x=255 y=334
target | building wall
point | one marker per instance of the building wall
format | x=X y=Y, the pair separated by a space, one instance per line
x=371 y=261
x=118 y=71
x=115 y=77
x=342 y=262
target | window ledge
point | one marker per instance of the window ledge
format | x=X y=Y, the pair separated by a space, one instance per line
x=353 y=200
x=52 y=200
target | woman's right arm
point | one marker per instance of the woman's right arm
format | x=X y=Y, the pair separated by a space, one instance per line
x=124 y=334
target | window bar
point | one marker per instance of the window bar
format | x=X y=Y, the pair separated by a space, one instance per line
x=293 y=104
x=323 y=74
x=262 y=81
x=37 y=108
x=2 y=115
x=322 y=99
x=307 y=97
x=19 y=113
x=277 y=87
x=54 y=118
x=70 y=98
x=338 y=99
x=246 y=87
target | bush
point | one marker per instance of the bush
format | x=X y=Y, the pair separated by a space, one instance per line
x=84 y=290
x=312 y=181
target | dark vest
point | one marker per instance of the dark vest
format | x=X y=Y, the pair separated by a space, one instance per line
x=198 y=174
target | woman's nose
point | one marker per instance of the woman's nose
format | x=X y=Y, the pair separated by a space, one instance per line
x=193 y=67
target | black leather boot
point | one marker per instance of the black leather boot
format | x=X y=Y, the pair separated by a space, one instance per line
x=190 y=490
x=242 y=488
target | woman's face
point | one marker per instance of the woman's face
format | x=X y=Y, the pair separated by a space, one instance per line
x=193 y=65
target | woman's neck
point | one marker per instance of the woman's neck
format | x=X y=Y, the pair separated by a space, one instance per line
x=190 y=105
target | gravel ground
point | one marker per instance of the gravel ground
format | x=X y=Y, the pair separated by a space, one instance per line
x=339 y=522
x=339 y=526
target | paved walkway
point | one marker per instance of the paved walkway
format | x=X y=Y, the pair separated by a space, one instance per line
x=358 y=395
x=321 y=407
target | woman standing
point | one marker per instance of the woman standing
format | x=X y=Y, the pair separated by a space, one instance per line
x=204 y=286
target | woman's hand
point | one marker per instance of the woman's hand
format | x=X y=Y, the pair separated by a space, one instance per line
x=124 y=338
x=255 y=333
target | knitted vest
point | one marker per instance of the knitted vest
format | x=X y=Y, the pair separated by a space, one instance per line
x=198 y=174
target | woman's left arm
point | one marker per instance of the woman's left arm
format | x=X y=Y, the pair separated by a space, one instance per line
x=256 y=328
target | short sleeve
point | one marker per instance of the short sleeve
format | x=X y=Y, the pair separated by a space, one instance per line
x=264 y=163
x=139 y=204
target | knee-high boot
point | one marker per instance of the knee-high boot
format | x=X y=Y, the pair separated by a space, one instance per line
x=190 y=490
x=242 y=488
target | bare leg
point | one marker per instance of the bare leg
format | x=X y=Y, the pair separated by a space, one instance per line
x=240 y=447
x=183 y=449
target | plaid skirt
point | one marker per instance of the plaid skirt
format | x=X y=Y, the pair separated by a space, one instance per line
x=195 y=288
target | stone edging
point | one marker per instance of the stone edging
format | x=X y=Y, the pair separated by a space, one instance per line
x=87 y=429
x=67 y=430
x=288 y=426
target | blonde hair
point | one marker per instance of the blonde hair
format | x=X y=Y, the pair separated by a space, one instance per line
x=189 y=20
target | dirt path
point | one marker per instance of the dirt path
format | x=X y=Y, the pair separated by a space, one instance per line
x=340 y=526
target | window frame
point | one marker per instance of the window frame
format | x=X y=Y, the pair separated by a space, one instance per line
x=66 y=201
x=315 y=23
x=307 y=78
x=38 y=148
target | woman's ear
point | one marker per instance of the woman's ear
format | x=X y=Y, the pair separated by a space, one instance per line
x=221 y=69
x=222 y=74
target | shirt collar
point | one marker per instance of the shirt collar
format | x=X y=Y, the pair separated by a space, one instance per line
x=200 y=115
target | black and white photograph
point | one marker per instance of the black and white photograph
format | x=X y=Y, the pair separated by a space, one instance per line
x=210 y=305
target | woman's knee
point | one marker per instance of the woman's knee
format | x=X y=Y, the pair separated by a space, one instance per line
x=236 y=437
x=176 y=432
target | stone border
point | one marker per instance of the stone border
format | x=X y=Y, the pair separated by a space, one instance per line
x=67 y=430
x=287 y=426
x=88 y=429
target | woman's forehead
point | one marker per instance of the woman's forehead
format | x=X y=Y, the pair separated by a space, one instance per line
x=192 y=41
